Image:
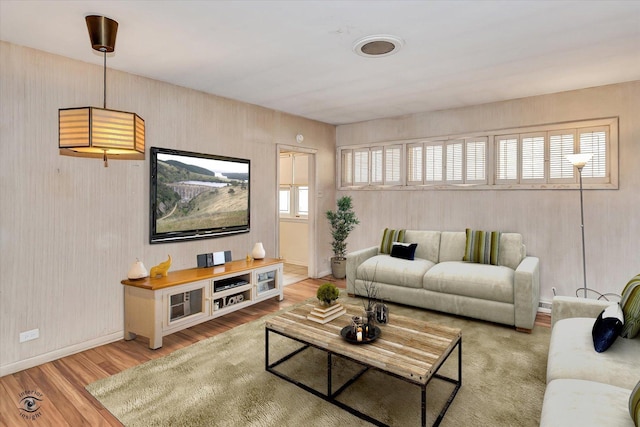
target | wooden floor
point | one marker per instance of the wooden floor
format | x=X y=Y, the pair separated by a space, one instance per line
x=60 y=384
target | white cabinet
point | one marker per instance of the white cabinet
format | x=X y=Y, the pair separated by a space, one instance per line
x=156 y=307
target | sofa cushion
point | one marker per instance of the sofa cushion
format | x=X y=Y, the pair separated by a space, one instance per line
x=569 y=402
x=428 y=243
x=571 y=355
x=404 y=250
x=607 y=327
x=488 y=282
x=630 y=303
x=482 y=246
x=452 y=244
x=512 y=251
x=394 y=271
x=389 y=236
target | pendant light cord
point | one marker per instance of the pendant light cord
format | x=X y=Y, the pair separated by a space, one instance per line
x=104 y=82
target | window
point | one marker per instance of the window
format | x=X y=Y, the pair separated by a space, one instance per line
x=372 y=166
x=293 y=200
x=532 y=157
x=285 y=201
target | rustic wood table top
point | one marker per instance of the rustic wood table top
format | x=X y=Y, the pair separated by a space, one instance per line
x=410 y=348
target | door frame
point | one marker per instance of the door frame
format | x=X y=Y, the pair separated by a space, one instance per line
x=312 y=220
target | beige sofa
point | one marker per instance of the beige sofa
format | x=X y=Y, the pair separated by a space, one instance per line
x=438 y=279
x=586 y=388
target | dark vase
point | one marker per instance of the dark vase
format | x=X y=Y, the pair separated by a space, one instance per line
x=371 y=317
x=382 y=313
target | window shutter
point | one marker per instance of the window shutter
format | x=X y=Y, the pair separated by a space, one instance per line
x=392 y=159
x=361 y=167
x=414 y=163
x=376 y=165
x=507 y=159
x=560 y=144
x=533 y=158
x=594 y=142
x=476 y=157
x=347 y=167
x=433 y=160
x=454 y=162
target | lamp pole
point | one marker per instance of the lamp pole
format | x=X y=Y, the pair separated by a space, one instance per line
x=584 y=257
x=579 y=161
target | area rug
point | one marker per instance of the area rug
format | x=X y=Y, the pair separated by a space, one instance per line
x=222 y=381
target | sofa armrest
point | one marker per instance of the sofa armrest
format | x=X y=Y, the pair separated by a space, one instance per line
x=566 y=307
x=526 y=292
x=354 y=259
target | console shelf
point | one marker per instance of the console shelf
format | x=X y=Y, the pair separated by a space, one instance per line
x=156 y=307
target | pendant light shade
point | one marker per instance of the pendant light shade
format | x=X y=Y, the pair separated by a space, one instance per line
x=99 y=132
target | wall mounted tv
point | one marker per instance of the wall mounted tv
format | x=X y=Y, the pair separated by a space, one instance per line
x=197 y=196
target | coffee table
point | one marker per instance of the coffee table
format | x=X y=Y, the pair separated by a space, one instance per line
x=409 y=349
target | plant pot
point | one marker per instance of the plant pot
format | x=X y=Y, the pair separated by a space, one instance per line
x=339 y=267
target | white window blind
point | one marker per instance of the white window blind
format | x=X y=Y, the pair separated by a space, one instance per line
x=507 y=158
x=361 y=167
x=433 y=163
x=594 y=142
x=346 y=166
x=454 y=162
x=414 y=163
x=393 y=160
x=560 y=144
x=376 y=165
x=533 y=157
x=476 y=158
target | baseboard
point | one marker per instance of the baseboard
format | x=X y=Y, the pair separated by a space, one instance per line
x=21 y=365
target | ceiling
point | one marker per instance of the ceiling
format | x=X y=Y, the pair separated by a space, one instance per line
x=297 y=56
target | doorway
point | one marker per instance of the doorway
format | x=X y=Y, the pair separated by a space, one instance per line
x=296 y=229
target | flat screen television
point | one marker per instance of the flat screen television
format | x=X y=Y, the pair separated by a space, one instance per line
x=197 y=196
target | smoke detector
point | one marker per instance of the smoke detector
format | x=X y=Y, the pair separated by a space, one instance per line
x=378 y=45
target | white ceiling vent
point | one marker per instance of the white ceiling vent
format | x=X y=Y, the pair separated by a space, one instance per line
x=378 y=46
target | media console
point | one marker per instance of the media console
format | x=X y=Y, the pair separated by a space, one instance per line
x=156 y=307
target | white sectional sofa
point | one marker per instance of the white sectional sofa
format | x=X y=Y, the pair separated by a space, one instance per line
x=586 y=388
x=438 y=279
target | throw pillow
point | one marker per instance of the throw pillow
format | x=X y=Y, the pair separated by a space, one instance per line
x=388 y=237
x=482 y=247
x=404 y=250
x=634 y=405
x=630 y=303
x=607 y=327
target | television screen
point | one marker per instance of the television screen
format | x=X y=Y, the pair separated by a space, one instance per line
x=197 y=196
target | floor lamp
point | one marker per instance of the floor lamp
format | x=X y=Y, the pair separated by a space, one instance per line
x=579 y=161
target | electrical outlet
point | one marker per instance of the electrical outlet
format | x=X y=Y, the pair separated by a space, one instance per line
x=29 y=335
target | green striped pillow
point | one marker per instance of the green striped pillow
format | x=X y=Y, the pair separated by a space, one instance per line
x=630 y=303
x=388 y=237
x=482 y=247
x=634 y=405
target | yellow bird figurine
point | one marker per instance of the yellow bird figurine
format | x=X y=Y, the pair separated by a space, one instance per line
x=161 y=269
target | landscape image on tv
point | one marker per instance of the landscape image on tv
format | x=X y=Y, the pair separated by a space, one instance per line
x=198 y=195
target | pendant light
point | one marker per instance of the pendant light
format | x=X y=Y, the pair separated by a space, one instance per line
x=99 y=132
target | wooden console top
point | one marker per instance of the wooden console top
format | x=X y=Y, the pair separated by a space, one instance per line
x=180 y=277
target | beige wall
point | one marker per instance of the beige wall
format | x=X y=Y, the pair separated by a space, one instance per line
x=70 y=228
x=548 y=219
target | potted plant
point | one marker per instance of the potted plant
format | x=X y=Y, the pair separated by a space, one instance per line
x=342 y=222
x=328 y=293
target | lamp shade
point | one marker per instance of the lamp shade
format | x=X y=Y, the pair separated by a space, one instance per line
x=97 y=132
x=579 y=160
